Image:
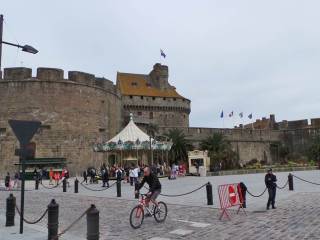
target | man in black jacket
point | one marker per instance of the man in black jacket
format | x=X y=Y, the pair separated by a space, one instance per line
x=154 y=185
x=270 y=181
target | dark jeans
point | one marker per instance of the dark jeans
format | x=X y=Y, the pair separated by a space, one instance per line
x=272 y=196
x=131 y=181
x=104 y=182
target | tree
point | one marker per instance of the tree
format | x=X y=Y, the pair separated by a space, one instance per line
x=180 y=146
x=314 y=150
x=219 y=150
x=284 y=151
x=152 y=130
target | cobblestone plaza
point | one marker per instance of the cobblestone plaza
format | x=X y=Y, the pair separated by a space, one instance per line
x=188 y=216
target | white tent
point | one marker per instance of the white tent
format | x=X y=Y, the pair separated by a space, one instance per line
x=132 y=137
x=131 y=133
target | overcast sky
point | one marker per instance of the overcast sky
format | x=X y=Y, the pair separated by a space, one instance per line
x=256 y=57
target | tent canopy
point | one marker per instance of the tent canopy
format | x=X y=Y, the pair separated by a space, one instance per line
x=130 y=138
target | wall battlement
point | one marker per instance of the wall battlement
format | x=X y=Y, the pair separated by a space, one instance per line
x=56 y=74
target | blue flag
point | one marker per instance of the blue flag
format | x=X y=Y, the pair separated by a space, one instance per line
x=162 y=53
x=221 y=115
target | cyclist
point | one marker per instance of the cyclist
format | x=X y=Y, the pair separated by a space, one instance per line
x=154 y=186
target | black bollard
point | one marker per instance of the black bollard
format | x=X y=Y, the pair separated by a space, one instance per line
x=290 y=180
x=136 y=188
x=64 y=185
x=76 y=185
x=53 y=217
x=37 y=184
x=118 y=188
x=93 y=223
x=11 y=210
x=209 y=194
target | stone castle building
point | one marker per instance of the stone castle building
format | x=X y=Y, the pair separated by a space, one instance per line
x=78 y=111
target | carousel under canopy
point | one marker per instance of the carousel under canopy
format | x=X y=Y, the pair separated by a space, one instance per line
x=132 y=138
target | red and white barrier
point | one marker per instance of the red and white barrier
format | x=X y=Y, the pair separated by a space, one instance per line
x=230 y=195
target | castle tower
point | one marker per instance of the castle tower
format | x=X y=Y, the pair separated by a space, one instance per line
x=159 y=76
x=152 y=100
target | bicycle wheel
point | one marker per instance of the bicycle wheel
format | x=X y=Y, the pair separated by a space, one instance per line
x=160 y=212
x=136 y=217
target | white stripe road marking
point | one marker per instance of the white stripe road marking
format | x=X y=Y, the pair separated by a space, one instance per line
x=195 y=224
x=181 y=232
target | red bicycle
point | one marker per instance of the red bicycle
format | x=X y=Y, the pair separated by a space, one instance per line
x=158 y=210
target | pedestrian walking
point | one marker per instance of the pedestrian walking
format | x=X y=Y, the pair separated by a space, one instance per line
x=131 y=175
x=85 y=176
x=51 y=175
x=105 y=177
x=7 y=181
x=135 y=172
x=119 y=174
x=35 y=175
x=65 y=175
x=270 y=181
x=56 y=178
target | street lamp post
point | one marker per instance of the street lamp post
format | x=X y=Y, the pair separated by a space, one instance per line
x=25 y=48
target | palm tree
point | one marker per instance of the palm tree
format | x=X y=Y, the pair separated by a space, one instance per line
x=152 y=130
x=220 y=150
x=180 y=145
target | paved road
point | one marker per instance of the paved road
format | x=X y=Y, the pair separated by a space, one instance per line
x=189 y=218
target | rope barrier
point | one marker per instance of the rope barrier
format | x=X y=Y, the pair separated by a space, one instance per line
x=257 y=195
x=71 y=225
x=32 y=222
x=183 y=194
x=318 y=184
x=283 y=185
x=97 y=190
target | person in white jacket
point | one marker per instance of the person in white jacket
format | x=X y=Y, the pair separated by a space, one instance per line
x=136 y=171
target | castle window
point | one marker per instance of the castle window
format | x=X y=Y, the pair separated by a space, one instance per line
x=3 y=131
x=153 y=98
x=131 y=96
x=164 y=98
x=183 y=100
x=174 y=99
x=102 y=129
x=134 y=84
x=141 y=97
x=151 y=115
x=102 y=101
x=139 y=113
